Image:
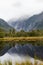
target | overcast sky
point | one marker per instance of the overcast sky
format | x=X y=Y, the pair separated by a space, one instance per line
x=17 y=8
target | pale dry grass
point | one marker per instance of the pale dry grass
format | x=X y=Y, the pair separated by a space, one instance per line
x=21 y=39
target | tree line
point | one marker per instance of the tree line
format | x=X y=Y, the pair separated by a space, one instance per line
x=21 y=33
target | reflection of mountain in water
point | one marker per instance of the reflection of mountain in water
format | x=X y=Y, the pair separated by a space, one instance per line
x=22 y=50
x=3 y=51
x=16 y=58
x=26 y=49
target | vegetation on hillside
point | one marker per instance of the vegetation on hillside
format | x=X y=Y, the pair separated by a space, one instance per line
x=22 y=33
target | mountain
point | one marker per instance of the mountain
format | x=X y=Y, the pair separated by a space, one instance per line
x=32 y=23
x=4 y=25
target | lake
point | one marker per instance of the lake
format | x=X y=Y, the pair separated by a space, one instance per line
x=18 y=52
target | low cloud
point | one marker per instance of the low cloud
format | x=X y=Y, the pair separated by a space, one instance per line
x=39 y=0
x=17 y=4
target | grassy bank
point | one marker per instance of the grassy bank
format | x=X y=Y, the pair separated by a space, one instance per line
x=21 y=39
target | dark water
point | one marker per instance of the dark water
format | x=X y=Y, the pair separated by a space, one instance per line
x=33 y=49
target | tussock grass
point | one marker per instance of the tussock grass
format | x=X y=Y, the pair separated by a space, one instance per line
x=23 y=63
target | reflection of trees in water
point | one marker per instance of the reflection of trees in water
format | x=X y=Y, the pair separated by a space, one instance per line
x=12 y=43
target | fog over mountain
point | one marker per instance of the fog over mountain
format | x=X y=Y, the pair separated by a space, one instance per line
x=34 y=22
x=31 y=23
